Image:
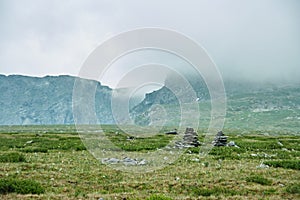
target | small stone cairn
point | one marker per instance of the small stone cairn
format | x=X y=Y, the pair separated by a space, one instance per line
x=220 y=140
x=190 y=139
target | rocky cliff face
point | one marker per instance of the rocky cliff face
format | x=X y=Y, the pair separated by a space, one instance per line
x=47 y=100
x=177 y=90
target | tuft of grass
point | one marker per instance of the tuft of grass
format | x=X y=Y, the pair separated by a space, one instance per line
x=34 y=150
x=139 y=143
x=194 y=150
x=79 y=193
x=158 y=197
x=20 y=186
x=60 y=143
x=226 y=152
x=262 y=145
x=80 y=148
x=293 y=188
x=287 y=164
x=12 y=157
x=269 y=191
x=50 y=142
x=259 y=179
x=216 y=191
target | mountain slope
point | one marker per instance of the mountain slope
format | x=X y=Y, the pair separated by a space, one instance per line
x=47 y=100
x=250 y=106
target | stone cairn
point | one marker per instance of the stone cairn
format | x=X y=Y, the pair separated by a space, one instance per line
x=220 y=140
x=190 y=139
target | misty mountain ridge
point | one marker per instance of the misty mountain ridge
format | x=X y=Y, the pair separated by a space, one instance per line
x=48 y=100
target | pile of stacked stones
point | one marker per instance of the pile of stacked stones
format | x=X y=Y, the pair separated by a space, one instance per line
x=220 y=139
x=190 y=139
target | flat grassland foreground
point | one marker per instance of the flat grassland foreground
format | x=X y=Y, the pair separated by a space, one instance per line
x=51 y=162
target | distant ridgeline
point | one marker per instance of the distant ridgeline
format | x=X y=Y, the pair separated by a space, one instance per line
x=28 y=100
x=47 y=100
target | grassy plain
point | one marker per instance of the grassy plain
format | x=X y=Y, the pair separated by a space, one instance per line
x=51 y=162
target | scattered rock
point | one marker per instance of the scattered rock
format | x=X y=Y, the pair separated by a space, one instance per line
x=110 y=160
x=266 y=134
x=130 y=137
x=129 y=161
x=142 y=162
x=232 y=144
x=220 y=161
x=262 y=155
x=269 y=155
x=195 y=159
x=174 y=132
x=279 y=143
x=262 y=166
x=125 y=161
x=284 y=149
x=220 y=139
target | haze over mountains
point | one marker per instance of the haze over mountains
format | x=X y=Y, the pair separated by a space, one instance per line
x=48 y=100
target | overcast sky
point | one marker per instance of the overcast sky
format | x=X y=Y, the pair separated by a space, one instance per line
x=251 y=39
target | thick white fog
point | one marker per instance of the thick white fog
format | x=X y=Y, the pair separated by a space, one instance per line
x=252 y=39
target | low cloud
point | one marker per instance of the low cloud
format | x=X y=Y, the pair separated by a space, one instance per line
x=253 y=40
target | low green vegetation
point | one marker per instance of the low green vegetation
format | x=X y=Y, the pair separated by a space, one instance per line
x=30 y=142
x=158 y=197
x=227 y=153
x=12 y=157
x=293 y=188
x=287 y=164
x=215 y=191
x=20 y=186
x=128 y=143
x=261 y=167
x=34 y=150
x=259 y=179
